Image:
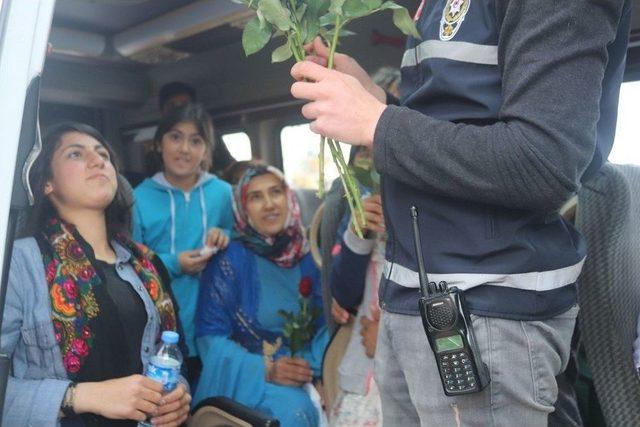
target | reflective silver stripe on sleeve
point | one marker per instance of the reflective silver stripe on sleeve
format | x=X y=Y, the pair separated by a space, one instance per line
x=453 y=50
x=533 y=281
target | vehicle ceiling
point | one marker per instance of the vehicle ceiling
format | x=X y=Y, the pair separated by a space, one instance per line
x=116 y=53
x=109 y=17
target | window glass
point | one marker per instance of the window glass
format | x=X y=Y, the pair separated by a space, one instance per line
x=239 y=145
x=300 y=148
x=626 y=148
x=1 y=20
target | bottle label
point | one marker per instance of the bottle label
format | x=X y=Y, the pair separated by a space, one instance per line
x=168 y=376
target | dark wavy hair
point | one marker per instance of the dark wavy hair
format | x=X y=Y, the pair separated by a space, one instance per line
x=117 y=214
x=196 y=114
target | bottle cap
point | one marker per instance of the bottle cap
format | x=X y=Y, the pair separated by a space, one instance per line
x=170 y=337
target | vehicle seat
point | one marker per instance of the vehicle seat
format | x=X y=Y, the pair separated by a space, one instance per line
x=309 y=202
x=608 y=215
x=331 y=360
x=224 y=412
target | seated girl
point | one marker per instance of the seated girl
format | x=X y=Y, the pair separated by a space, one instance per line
x=183 y=209
x=354 y=276
x=240 y=333
x=354 y=279
x=85 y=305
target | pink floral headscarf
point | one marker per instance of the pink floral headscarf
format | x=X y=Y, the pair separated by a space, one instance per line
x=290 y=245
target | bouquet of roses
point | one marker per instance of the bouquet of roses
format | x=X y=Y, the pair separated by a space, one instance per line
x=299 y=327
x=299 y=22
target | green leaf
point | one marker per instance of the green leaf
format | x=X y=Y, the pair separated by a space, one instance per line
x=317 y=8
x=286 y=315
x=336 y=7
x=327 y=19
x=276 y=14
x=300 y=12
x=372 y=4
x=390 y=5
x=355 y=9
x=282 y=53
x=260 y=16
x=278 y=34
x=403 y=21
x=343 y=33
x=255 y=36
x=312 y=31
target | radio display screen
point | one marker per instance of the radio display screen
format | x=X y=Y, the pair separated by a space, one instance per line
x=454 y=342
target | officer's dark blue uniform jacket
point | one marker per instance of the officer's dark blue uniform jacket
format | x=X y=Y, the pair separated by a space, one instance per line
x=513 y=261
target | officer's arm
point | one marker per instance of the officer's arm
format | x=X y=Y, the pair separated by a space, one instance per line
x=553 y=57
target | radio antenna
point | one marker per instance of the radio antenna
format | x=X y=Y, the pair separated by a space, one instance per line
x=422 y=272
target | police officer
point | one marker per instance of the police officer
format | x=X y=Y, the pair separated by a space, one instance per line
x=506 y=107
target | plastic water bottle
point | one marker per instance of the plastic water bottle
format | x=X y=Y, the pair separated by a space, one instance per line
x=165 y=366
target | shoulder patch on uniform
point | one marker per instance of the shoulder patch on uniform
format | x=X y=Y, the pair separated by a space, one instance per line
x=452 y=18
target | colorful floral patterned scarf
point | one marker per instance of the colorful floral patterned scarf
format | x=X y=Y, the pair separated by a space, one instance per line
x=71 y=278
x=290 y=245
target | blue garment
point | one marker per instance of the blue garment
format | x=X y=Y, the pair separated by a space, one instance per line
x=349 y=271
x=170 y=221
x=240 y=293
x=38 y=379
x=349 y=267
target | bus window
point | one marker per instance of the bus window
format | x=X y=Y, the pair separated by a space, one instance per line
x=300 y=148
x=239 y=145
x=625 y=148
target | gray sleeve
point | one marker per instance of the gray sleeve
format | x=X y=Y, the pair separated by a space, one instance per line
x=28 y=402
x=552 y=57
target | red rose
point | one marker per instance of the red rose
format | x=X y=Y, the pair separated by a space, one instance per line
x=80 y=347
x=71 y=363
x=305 y=287
x=70 y=288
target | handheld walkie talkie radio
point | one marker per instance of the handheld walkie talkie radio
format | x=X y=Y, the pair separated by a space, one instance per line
x=448 y=327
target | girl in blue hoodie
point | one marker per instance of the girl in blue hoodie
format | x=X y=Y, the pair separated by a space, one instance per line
x=183 y=212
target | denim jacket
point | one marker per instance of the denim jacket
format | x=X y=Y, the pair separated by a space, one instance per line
x=38 y=380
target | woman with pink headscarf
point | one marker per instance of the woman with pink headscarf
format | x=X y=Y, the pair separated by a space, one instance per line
x=240 y=335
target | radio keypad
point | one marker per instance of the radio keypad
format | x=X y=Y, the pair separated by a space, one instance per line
x=457 y=371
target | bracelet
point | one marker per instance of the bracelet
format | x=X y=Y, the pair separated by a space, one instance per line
x=268 y=364
x=67 y=402
x=268 y=351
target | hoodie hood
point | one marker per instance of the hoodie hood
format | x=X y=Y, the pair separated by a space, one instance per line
x=160 y=181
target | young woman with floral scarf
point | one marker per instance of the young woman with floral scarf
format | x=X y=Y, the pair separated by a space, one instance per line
x=240 y=334
x=85 y=305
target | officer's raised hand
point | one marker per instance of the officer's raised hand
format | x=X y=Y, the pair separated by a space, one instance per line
x=318 y=52
x=340 y=107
